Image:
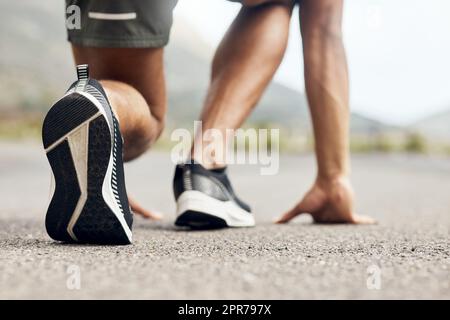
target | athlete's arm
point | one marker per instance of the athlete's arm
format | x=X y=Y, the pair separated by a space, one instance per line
x=326 y=78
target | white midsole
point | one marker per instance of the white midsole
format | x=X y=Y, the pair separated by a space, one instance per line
x=79 y=143
x=233 y=215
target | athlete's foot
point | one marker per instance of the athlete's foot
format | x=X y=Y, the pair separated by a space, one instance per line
x=83 y=144
x=206 y=200
x=329 y=201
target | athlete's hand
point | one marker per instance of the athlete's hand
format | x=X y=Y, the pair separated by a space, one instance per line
x=328 y=202
x=138 y=209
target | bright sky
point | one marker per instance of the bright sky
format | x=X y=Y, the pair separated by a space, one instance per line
x=398 y=51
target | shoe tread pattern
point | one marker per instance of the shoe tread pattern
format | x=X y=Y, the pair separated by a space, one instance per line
x=67 y=192
x=66 y=115
x=97 y=223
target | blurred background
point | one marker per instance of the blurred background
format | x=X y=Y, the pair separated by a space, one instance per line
x=399 y=70
x=399 y=63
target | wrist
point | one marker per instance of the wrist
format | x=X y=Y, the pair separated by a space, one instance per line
x=336 y=177
x=333 y=168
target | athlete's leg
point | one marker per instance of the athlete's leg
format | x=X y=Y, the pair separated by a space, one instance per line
x=243 y=65
x=134 y=82
x=81 y=137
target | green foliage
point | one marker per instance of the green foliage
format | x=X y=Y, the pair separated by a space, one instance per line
x=415 y=143
x=447 y=150
x=384 y=144
x=28 y=128
x=378 y=143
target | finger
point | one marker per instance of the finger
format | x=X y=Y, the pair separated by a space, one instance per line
x=307 y=205
x=288 y=216
x=138 y=209
x=357 y=219
x=147 y=214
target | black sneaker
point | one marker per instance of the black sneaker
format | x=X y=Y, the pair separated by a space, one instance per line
x=206 y=200
x=82 y=140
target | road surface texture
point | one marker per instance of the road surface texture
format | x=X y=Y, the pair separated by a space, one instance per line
x=405 y=256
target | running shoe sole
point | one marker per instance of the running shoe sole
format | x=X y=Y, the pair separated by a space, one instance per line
x=80 y=145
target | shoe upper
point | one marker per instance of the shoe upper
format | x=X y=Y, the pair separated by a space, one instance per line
x=214 y=183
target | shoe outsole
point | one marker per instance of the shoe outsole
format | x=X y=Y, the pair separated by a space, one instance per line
x=65 y=115
x=200 y=221
x=66 y=195
x=97 y=223
x=198 y=210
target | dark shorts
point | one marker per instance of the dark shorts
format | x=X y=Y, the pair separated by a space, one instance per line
x=119 y=23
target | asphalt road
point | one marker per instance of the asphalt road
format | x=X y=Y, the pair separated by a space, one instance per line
x=405 y=256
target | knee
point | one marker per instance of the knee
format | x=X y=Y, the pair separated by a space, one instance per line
x=139 y=127
x=137 y=143
x=148 y=134
x=159 y=128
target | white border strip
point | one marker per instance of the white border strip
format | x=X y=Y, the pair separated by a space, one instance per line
x=112 y=16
